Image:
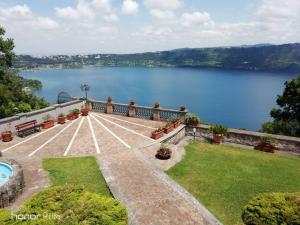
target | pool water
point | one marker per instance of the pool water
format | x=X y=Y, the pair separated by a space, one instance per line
x=5 y=173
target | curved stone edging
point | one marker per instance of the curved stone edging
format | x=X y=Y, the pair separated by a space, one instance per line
x=14 y=186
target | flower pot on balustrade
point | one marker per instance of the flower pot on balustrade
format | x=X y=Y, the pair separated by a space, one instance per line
x=84 y=112
x=218 y=138
x=47 y=124
x=6 y=136
x=168 y=128
x=177 y=123
x=157 y=134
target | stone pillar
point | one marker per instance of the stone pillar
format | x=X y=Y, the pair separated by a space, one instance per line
x=131 y=111
x=156 y=114
x=88 y=105
x=109 y=105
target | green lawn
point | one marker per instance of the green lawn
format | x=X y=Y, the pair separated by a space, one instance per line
x=83 y=171
x=224 y=178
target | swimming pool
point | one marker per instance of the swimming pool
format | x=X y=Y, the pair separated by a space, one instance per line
x=6 y=173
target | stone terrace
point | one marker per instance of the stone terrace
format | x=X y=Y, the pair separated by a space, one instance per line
x=149 y=195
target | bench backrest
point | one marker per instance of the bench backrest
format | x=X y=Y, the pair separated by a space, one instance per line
x=31 y=123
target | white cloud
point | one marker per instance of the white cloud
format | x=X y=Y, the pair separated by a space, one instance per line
x=162 y=14
x=130 y=7
x=83 y=11
x=21 y=17
x=163 y=4
x=111 y=17
x=163 y=10
x=201 y=19
x=103 y=5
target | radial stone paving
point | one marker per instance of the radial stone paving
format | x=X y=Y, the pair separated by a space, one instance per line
x=149 y=195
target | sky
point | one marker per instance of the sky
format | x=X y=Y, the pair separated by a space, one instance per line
x=48 y=27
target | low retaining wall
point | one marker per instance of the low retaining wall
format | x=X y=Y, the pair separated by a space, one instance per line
x=14 y=186
x=54 y=110
x=174 y=137
x=250 y=138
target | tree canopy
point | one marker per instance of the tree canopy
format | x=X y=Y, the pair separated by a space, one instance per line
x=15 y=91
x=287 y=116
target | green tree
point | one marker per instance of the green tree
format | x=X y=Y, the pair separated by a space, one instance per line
x=287 y=117
x=14 y=95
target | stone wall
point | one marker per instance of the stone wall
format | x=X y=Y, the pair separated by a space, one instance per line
x=174 y=137
x=14 y=186
x=54 y=110
x=250 y=138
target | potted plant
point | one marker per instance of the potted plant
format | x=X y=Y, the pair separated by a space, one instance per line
x=157 y=134
x=192 y=119
x=7 y=134
x=168 y=128
x=156 y=105
x=267 y=144
x=163 y=153
x=48 y=122
x=176 y=122
x=61 y=119
x=218 y=132
x=73 y=114
x=131 y=103
x=84 y=111
x=182 y=108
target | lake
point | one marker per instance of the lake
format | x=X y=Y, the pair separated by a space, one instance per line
x=238 y=99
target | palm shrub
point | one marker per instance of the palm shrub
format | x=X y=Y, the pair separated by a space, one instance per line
x=218 y=129
x=273 y=209
x=64 y=205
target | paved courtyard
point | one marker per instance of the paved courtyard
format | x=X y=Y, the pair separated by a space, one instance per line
x=150 y=196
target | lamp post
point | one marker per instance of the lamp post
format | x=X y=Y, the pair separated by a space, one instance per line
x=85 y=88
x=194 y=132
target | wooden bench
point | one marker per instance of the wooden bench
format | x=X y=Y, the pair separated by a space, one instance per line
x=27 y=128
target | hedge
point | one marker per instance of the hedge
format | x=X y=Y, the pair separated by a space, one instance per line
x=65 y=205
x=273 y=209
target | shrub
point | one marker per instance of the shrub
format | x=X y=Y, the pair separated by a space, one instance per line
x=74 y=111
x=218 y=129
x=47 y=118
x=273 y=209
x=61 y=115
x=192 y=119
x=268 y=140
x=64 y=205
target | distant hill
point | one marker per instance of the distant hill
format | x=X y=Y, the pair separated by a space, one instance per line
x=264 y=57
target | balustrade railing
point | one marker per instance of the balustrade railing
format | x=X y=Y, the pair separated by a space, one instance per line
x=143 y=112
x=120 y=109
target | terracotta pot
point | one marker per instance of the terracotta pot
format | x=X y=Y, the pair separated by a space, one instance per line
x=168 y=129
x=218 y=138
x=47 y=124
x=177 y=123
x=266 y=147
x=72 y=116
x=84 y=112
x=157 y=134
x=61 y=119
x=194 y=123
x=6 y=136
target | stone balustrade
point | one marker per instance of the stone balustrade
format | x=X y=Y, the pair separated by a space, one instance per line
x=133 y=110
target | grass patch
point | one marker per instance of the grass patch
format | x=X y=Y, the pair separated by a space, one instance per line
x=225 y=178
x=82 y=171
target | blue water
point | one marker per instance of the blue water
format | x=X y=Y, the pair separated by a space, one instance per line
x=5 y=173
x=240 y=99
